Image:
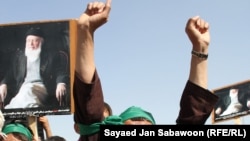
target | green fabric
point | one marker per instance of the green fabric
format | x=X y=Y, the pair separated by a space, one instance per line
x=133 y=112
x=95 y=127
x=17 y=128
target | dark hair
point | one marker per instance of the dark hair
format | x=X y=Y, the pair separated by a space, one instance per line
x=20 y=136
x=107 y=106
x=55 y=138
x=140 y=119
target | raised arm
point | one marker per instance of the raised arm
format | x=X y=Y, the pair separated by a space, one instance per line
x=95 y=16
x=46 y=126
x=198 y=32
x=87 y=90
x=197 y=101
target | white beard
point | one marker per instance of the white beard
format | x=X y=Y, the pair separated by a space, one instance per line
x=33 y=55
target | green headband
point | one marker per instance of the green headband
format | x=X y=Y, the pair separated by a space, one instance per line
x=134 y=112
x=95 y=127
x=131 y=112
x=17 y=128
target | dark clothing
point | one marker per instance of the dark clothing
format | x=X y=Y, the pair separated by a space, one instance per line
x=53 y=70
x=196 y=104
x=89 y=104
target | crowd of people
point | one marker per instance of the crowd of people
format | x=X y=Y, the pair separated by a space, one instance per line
x=196 y=103
x=19 y=130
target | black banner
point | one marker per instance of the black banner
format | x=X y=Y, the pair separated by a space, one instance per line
x=163 y=132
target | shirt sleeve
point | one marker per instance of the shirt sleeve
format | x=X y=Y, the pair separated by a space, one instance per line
x=88 y=101
x=196 y=104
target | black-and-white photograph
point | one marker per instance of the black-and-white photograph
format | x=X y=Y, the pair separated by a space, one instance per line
x=234 y=101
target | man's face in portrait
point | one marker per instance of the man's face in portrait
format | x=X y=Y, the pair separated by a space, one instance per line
x=33 y=47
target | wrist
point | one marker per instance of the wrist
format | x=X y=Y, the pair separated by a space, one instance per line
x=200 y=55
x=201 y=47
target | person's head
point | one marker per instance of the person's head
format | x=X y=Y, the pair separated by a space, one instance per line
x=107 y=110
x=55 y=138
x=34 y=42
x=17 y=132
x=233 y=93
x=131 y=116
x=137 y=116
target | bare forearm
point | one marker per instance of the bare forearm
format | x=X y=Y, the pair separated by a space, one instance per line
x=95 y=15
x=197 y=30
x=85 y=65
x=198 y=69
x=48 y=131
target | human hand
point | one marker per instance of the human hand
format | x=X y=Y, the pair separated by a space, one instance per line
x=3 y=92
x=46 y=126
x=36 y=139
x=248 y=104
x=218 y=111
x=95 y=15
x=60 y=93
x=45 y=122
x=197 y=30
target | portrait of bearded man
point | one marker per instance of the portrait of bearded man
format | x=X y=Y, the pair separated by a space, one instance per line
x=40 y=75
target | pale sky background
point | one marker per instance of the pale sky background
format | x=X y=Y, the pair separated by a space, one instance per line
x=143 y=54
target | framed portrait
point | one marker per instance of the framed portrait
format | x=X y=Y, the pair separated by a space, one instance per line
x=234 y=101
x=37 y=67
